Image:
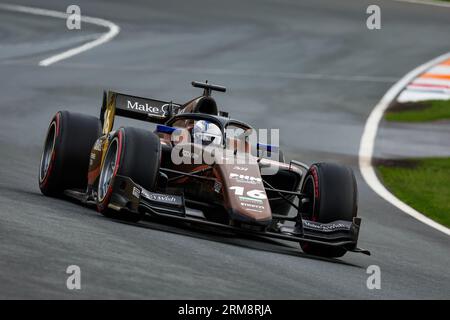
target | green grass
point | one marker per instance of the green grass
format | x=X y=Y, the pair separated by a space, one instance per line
x=423 y=184
x=420 y=112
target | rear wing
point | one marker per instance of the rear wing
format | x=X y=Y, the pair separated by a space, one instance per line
x=151 y=110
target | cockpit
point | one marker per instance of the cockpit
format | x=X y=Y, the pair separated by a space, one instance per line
x=209 y=130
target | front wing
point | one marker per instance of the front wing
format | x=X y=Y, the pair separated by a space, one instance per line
x=129 y=196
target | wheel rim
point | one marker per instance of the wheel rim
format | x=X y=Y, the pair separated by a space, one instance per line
x=47 y=154
x=108 y=170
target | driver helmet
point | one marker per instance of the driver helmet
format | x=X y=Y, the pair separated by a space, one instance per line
x=207 y=133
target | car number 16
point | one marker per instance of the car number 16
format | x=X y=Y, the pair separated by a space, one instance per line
x=255 y=193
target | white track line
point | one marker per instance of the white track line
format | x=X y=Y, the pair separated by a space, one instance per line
x=368 y=142
x=427 y=2
x=113 y=30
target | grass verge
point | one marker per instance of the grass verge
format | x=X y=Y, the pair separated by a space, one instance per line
x=419 y=111
x=424 y=184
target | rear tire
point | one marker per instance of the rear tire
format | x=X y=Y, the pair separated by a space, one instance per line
x=333 y=195
x=65 y=158
x=134 y=153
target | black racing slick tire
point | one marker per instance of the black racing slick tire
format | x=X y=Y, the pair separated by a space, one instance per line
x=134 y=153
x=65 y=158
x=333 y=195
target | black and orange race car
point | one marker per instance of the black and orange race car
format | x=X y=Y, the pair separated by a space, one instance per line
x=198 y=166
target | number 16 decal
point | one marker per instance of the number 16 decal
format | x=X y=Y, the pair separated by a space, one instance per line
x=255 y=193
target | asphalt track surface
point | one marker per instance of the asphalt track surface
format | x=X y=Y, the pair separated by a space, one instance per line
x=311 y=68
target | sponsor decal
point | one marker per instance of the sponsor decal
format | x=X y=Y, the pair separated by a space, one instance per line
x=255 y=207
x=163 y=198
x=151 y=110
x=255 y=210
x=241 y=178
x=250 y=200
x=217 y=186
x=329 y=227
x=240 y=168
x=136 y=192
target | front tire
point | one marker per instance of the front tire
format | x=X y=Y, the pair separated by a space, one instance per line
x=65 y=158
x=134 y=153
x=333 y=195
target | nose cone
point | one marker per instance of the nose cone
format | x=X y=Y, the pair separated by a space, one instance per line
x=245 y=196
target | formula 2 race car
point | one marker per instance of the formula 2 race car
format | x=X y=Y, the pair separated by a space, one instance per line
x=198 y=166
